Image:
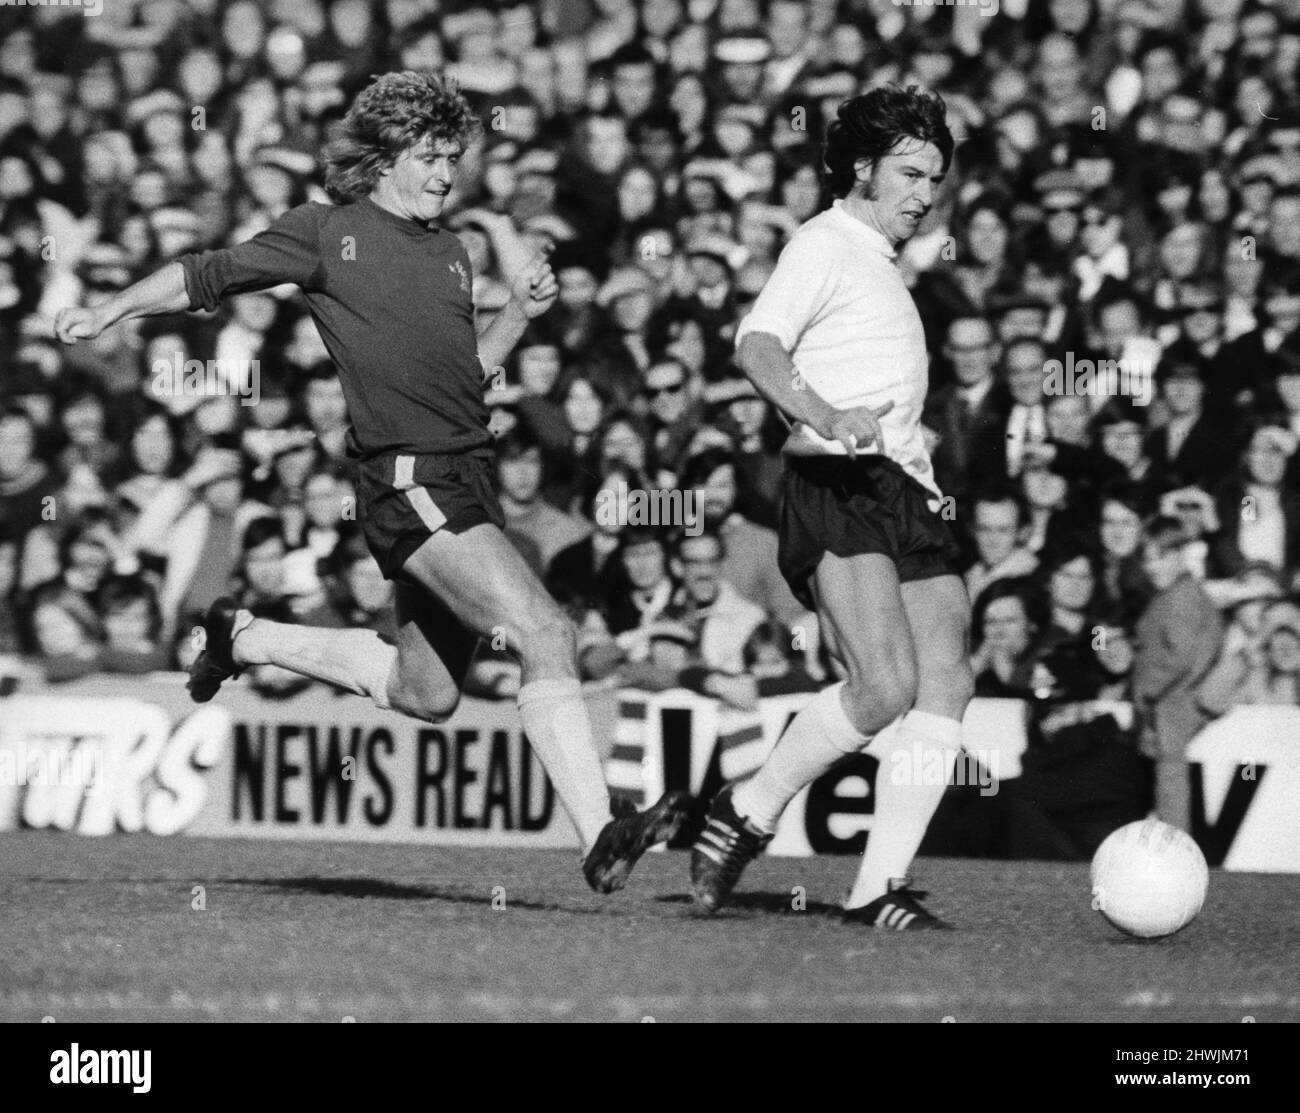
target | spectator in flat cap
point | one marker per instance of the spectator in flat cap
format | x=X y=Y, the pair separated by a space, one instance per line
x=742 y=57
x=737 y=408
x=1104 y=254
x=1061 y=196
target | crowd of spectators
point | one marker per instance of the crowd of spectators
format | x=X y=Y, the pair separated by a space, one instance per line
x=1126 y=188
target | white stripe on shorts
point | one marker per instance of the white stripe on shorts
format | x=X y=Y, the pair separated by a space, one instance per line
x=419 y=498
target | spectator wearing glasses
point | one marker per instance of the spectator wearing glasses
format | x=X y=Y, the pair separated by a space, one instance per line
x=1196 y=331
x=970 y=415
x=673 y=411
x=723 y=619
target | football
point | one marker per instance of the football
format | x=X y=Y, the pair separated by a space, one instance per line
x=1149 y=879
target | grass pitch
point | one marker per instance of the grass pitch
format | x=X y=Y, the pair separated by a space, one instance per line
x=112 y=930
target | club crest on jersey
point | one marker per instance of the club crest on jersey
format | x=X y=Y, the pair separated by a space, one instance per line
x=458 y=268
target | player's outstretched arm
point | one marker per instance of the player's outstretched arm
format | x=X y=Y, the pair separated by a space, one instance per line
x=161 y=292
x=532 y=292
x=769 y=367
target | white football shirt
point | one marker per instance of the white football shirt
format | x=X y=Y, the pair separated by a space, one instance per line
x=838 y=304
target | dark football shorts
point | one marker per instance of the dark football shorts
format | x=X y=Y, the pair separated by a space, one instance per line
x=404 y=500
x=832 y=504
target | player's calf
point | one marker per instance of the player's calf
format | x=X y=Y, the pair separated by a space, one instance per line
x=419 y=698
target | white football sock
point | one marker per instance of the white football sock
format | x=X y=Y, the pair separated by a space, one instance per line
x=916 y=765
x=818 y=737
x=358 y=660
x=555 y=720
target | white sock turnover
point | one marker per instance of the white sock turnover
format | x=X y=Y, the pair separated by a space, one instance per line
x=819 y=736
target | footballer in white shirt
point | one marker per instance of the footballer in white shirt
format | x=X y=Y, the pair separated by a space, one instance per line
x=836 y=343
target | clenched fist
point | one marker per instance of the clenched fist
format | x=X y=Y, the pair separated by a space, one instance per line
x=535 y=289
x=71 y=325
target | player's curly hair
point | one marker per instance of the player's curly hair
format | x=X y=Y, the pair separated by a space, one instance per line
x=394 y=112
x=870 y=126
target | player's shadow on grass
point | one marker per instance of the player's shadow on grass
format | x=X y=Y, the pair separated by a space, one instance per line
x=370 y=888
x=771 y=904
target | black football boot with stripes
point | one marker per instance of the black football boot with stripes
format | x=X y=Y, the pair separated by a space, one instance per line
x=725 y=847
x=900 y=909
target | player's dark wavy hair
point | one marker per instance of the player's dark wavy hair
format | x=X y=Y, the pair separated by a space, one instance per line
x=870 y=126
x=394 y=112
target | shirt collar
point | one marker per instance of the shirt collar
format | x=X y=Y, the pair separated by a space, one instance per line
x=976 y=394
x=876 y=240
x=406 y=224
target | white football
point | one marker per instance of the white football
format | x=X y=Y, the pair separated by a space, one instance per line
x=1149 y=879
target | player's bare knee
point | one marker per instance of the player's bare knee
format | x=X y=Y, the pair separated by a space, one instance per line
x=545 y=636
x=877 y=698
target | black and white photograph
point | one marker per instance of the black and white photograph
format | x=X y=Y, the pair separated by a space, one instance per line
x=650 y=511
